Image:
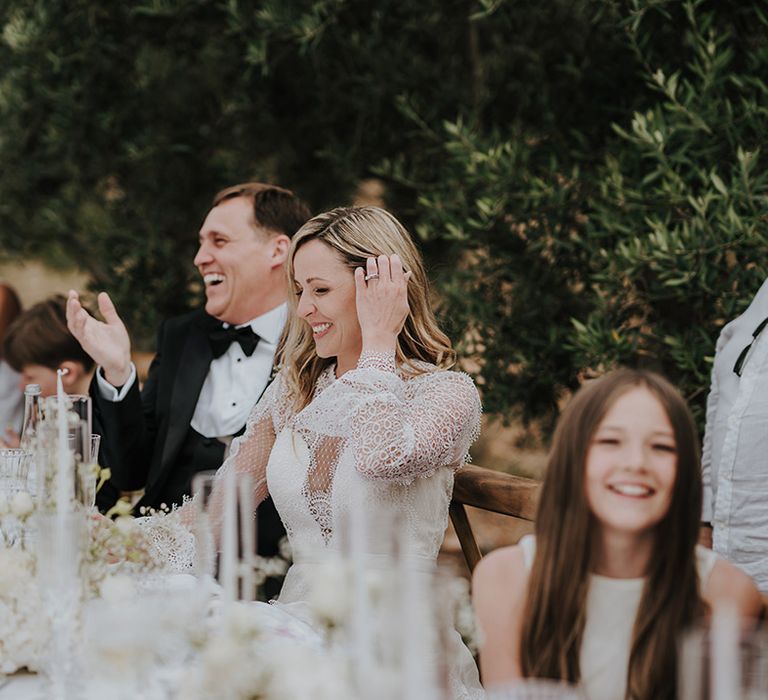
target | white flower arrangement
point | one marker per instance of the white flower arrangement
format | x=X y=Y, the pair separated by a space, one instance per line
x=118 y=554
x=259 y=660
x=14 y=516
x=117 y=588
x=22 y=505
x=266 y=656
x=24 y=628
x=260 y=663
x=330 y=597
x=115 y=546
x=139 y=548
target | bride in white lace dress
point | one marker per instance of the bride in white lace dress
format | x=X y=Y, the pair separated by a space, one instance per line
x=363 y=410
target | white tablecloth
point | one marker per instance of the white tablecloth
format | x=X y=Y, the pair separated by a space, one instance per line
x=22 y=686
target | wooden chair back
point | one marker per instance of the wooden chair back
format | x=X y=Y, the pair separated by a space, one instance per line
x=490 y=490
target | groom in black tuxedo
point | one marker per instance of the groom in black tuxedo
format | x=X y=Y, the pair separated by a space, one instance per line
x=211 y=365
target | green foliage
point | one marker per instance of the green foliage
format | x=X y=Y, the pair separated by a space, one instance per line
x=120 y=121
x=587 y=179
x=678 y=228
x=505 y=192
x=598 y=235
x=101 y=112
x=512 y=222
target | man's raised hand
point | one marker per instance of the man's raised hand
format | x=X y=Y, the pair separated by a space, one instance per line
x=107 y=343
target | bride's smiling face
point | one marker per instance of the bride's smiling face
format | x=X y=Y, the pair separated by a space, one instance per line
x=325 y=288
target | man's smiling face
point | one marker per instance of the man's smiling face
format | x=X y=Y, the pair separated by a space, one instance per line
x=235 y=260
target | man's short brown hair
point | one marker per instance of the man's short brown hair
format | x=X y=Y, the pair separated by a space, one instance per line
x=40 y=337
x=274 y=208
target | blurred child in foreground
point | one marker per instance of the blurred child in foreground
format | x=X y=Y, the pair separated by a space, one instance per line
x=37 y=344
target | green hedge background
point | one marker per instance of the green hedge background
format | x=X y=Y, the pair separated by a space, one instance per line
x=586 y=178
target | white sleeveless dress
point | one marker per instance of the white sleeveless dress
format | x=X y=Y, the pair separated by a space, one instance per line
x=612 y=605
x=385 y=442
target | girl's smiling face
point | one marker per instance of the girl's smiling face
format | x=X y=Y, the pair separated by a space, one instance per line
x=631 y=464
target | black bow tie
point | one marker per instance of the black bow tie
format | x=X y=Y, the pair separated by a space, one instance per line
x=221 y=338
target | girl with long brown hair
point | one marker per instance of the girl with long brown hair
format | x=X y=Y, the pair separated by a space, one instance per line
x=599 y=596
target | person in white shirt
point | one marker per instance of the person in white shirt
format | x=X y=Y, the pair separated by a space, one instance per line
x=735 y=451
x=11 y=397
x=211 y=365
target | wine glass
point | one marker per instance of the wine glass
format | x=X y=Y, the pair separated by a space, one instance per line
x=14 y=465
x=87 y=466
x=202 y=528
x=95 y=447
x=723 y=661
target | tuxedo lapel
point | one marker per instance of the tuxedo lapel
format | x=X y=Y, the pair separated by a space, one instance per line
x=194 y=363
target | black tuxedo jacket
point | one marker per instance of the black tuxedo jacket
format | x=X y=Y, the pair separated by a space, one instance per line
x=147 y=431
x=108 y=494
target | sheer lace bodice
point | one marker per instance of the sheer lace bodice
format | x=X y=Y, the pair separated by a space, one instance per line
x=372 y=434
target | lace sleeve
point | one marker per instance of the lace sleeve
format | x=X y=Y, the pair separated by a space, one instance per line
x=250 y=452
x=400 y=429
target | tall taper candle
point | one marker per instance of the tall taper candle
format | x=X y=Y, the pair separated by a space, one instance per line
x=724 y=654
x=229 y=538
x=248 y=537
x=64 y=483
x=361 y=611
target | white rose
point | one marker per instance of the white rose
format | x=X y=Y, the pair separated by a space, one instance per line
x=285 y=549
x=274 y=566
x=22 y=505
x=375 y=585
x=244 y=621
x=125 y=525
x=117 y=588
x=330 y=594
x=324 y=676
x=223 y=659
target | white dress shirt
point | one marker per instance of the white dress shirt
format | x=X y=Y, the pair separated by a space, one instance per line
x=11 y=399
x=735 y=452
x=234 y=382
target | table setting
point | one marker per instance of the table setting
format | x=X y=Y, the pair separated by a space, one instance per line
x=94 y=607
x=79 y=592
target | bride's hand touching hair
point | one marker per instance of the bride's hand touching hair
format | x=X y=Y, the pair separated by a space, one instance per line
x=382 y=302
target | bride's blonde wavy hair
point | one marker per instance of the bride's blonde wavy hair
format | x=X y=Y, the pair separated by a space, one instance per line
x=358 y=233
